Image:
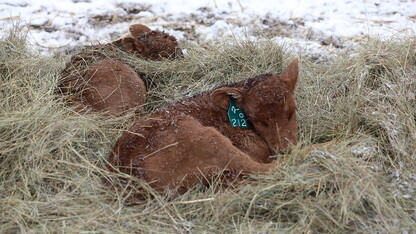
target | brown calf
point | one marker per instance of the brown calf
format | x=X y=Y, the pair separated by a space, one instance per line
x=149 y=44
x=188 y=142
x=112 y=87
x=97 y=81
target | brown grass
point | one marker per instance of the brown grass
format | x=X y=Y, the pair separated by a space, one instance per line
x=363 y=103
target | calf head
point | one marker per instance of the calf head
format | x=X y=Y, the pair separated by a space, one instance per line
x=149 y=44
x=130 y=41
x=269 y=104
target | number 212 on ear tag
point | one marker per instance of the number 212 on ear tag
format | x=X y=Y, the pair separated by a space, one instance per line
x=236 y=116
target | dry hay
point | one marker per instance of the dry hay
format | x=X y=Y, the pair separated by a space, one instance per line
x=362 y=103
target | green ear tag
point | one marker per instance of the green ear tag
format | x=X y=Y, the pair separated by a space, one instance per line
x=236 y=116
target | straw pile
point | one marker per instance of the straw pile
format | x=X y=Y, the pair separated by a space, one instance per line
x=361 y=105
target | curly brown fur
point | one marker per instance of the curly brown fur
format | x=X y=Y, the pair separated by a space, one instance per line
x=159 y=45
x=141 y=40
x=187 y=142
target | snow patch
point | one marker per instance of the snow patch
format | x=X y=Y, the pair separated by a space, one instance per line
x=309 y=24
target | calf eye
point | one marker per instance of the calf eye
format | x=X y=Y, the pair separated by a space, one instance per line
x=257 y=122
x=264 y=124
x=291 y=114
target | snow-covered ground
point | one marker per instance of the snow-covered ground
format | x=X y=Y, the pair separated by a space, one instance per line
x=319 y=27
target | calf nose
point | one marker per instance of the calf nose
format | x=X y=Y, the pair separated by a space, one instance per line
x=284 y=146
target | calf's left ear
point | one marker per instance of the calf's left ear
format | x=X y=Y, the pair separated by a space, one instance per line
x=221 y=96
x=138 y=29
x=132 y=45
x=290 y=75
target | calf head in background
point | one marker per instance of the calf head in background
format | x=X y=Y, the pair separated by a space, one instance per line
x=150 y=44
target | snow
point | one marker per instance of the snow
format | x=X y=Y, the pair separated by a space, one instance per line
x=406 y=189
x=361 y=151
x=323 y=154
x=218 y=29
x=314 y=26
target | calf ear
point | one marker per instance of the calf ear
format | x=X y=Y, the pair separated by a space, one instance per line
x=138 y=29
x=221 y=98
x=132 y=45
x=290 y=75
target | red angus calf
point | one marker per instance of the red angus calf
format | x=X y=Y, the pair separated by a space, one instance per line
x=96 y=79
x=190 y=141
x=112 y=87
x=149 y=44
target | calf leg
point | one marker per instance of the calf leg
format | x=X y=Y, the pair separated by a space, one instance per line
x=192 y=153
x=113 y=87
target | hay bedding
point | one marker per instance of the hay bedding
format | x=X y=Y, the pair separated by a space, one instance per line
x=362 y=180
